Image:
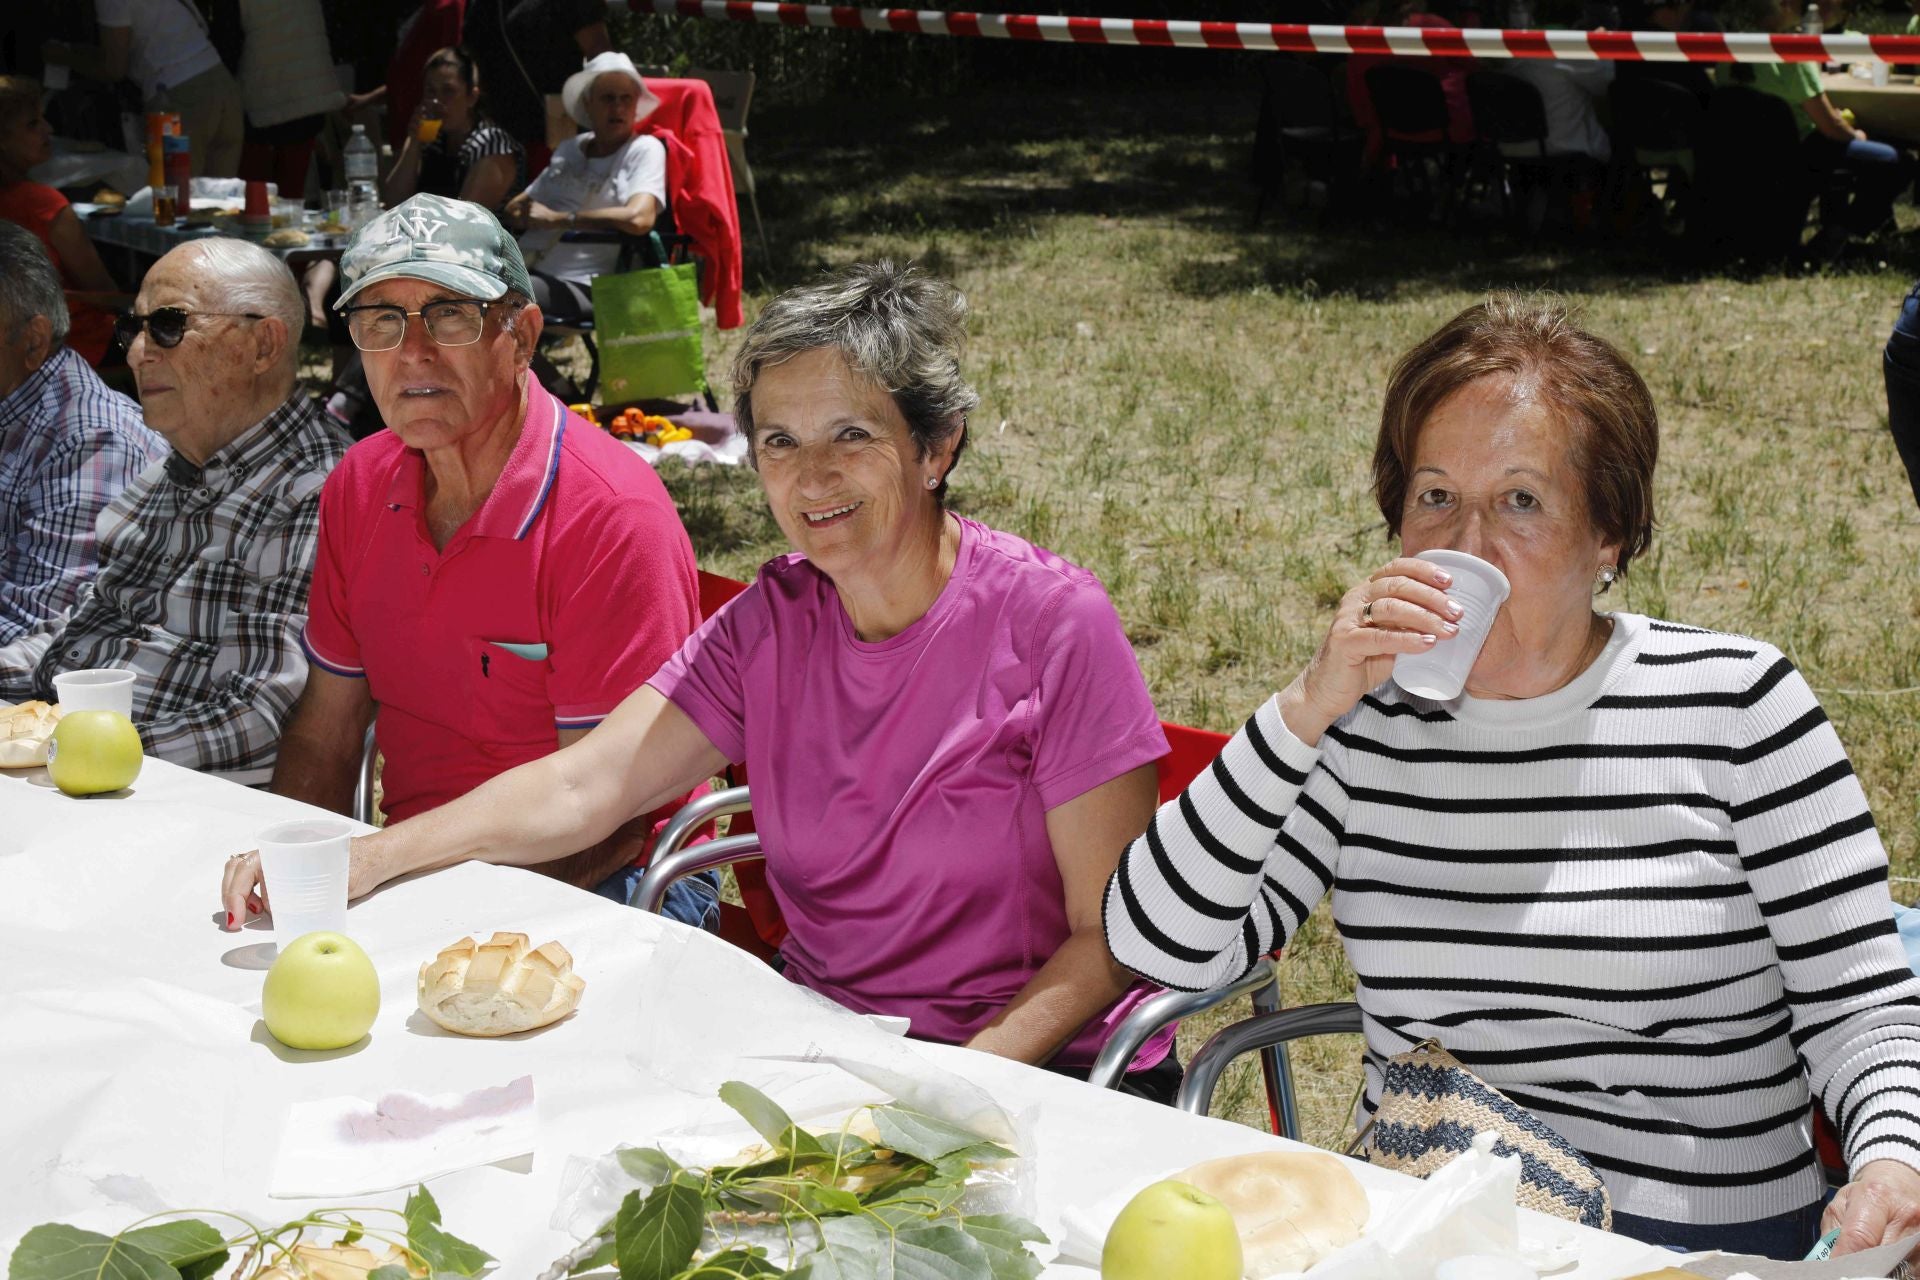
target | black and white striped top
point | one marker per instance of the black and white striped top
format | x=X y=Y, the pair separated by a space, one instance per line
x=1650 y=906
x=444 y=172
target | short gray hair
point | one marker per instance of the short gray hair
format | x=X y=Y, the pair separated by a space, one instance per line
x=29 y=284
x=250 y=278
x=900 y=329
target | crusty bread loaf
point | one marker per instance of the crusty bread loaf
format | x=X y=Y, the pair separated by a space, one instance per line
x=24 y=730
x=500 y=986
x=1293 y=1208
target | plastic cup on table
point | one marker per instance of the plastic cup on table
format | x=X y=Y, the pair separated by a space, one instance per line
x=1440 y=673
x=95 y=689
x=305 y=865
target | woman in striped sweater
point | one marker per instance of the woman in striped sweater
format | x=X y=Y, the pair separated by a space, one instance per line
x=1628 y=877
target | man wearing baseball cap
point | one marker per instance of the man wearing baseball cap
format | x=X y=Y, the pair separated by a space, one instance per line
x=494 y=573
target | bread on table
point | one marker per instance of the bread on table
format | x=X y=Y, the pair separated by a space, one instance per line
x=24 y=730
x=335 y=1262
x=1293 y=1208
x=286 y=238
x=500 y=986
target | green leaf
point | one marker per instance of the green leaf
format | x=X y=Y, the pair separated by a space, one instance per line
x=939 y=1251
x=768 y=1120
x=439 y=1248
x=1005 y=1239
x=656 y=1237
x=734 y=1264
x=649 y=1164
x=850 y=1249
x=422 y=1208
x=778 y=1167
x=910 y=1205
x=922 y=1135
x=54 y=1251
x=392 y=1271
x=188 y=1245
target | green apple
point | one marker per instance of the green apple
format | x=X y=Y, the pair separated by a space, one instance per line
x=1172 y=1231
x=93 y=751
x=321 y=993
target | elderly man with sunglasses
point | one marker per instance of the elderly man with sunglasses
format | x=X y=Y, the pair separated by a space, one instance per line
x=495 y=574
x=206 y=556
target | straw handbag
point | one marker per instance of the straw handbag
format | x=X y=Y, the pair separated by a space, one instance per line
x=1430 y=1109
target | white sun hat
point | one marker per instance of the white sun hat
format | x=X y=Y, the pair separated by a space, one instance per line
x=573 y=95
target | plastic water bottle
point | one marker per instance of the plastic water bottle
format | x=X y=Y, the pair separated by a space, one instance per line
x=363 y=176
x=1810 y=23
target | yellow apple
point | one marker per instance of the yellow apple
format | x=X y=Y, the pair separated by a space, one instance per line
x=321 y=993
x=93 y=751
x=1172 y=1231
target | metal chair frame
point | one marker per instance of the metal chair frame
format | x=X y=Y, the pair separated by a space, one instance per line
x=369 y=777
x=1262 y=1033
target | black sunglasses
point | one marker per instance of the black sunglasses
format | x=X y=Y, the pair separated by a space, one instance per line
x=166 y=325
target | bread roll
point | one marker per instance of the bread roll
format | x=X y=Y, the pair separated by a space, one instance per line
x=334 y=1262
x=1293 y=1208
x=24 y=730
x=500 y=986
x=286 y=238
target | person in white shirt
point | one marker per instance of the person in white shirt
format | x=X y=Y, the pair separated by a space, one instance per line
x=1572 y=93
x=607 y=180
x=163 y=46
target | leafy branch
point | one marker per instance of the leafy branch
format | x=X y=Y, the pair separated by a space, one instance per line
x=850 y=1207
x=178 y=1246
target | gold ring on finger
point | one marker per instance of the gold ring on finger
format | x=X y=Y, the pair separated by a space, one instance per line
x=1366 y=614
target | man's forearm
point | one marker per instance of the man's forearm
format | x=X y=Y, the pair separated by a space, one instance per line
x=587 y=868
x=316 y=773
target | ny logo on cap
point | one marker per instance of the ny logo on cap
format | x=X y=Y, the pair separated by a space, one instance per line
x=415 y=226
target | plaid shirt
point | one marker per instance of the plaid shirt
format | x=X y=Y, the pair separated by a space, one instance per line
x=68 y=445
x=202 y=590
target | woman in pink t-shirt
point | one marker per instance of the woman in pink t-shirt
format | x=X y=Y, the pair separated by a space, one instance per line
x=948 y=738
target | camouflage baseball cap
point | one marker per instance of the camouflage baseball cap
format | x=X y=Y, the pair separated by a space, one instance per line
x=455 y=243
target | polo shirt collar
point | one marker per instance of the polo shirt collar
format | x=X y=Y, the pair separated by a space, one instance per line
x=525 y=483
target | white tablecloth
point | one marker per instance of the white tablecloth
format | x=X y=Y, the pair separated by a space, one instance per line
x=135 y=1075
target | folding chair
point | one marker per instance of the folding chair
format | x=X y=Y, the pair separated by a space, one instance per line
x=1656 y=125
x=1751 y=183
x=1300 y=123
x=1510 y=118
x=732 y=95
x=1414 y=124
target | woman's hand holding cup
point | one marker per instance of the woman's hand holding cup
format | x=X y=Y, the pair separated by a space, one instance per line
x=1402 y=608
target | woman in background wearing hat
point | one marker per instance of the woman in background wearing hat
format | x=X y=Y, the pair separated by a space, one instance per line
x=608 y=180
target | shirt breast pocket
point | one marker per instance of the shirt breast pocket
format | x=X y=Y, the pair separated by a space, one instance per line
x=509 y=684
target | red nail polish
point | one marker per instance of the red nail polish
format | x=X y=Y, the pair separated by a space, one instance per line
x=229 y=919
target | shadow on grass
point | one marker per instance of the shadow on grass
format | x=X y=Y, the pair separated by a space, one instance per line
x=963 y=175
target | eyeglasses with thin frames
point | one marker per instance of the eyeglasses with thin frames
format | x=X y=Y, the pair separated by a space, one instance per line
x=451 y=322
x=167 y=325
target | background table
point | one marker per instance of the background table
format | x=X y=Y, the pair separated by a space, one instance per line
x=1892 y=110
x=137 y=1076
x=134 y=238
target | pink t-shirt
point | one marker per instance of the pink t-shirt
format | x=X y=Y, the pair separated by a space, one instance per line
x=901 y=788
x=569 y=586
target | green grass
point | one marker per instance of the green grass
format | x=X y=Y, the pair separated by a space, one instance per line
x=1187 y=408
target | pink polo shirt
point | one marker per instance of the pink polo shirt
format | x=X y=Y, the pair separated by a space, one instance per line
x=901 y=789
x=554 y=601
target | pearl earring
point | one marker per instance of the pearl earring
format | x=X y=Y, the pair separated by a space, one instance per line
x=1604 y=579
x=933 y=482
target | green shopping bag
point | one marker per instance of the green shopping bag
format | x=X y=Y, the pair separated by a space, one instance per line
x=647 y=325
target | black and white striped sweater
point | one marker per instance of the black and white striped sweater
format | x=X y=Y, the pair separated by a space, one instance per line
x=1650 y=906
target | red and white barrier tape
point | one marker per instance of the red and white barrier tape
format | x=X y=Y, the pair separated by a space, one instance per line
x=1445 y=42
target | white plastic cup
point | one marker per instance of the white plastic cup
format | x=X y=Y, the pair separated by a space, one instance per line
x=1440 y=673
x=96 y=689
x=305 y=865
